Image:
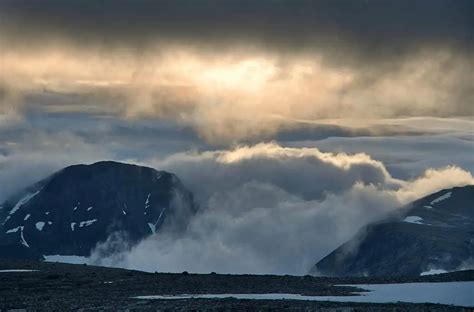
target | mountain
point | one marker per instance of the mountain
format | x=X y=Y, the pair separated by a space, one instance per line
x=435 y=233
x=71 y=211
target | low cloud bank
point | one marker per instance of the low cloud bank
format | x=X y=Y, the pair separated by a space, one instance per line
x=271 y=209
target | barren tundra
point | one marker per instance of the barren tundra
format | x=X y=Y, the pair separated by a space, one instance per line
x=64 y=287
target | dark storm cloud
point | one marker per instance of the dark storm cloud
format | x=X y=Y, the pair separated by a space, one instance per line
x=368 y=27
x=206 y=64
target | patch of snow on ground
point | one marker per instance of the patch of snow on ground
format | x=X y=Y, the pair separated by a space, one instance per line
x=413 y=219
x=89 y=209
x=450 y=293
x=13 y=230
x=16 y=270
x=66 y=259
x=441 y=198
x=27 y=217
x=49 y=222
x=87 y=223
x=46 y=213
x=428 y=207
x=73 y=224
x=433 y=271
x=40 y=225
x=23 y=201
x=124 y=213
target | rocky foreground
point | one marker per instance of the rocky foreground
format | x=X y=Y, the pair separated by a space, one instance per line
x=57 y=286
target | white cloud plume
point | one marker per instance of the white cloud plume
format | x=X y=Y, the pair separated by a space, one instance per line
x=271 y=209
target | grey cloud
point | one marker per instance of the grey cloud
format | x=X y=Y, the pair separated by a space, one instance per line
x=25 y=163
x=35 y=146
x=406 y=157
x=38 y=144
x=316 y=132
x=304 y=173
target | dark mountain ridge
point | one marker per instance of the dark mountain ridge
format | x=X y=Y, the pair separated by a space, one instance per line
x=72 y=210
x=433 y=233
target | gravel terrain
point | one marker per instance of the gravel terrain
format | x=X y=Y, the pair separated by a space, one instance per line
x=62 y=287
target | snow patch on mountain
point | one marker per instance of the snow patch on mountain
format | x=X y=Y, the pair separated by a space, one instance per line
x=441 y=198
x=23 y=201
x=413 y=219
x=14 y=230
x=39 y=225
x=22 y=238
x=147 y=202
x=87 y=223
x=152 y=227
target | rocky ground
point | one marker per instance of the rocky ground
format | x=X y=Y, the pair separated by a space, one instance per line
x=56 y=286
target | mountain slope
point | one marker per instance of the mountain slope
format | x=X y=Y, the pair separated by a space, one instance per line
x=433 y=233
x=70 y=211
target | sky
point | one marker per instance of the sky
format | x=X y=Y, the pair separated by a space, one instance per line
x=292 y=121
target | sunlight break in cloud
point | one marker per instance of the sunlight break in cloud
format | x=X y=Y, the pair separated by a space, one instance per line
x=231 y=96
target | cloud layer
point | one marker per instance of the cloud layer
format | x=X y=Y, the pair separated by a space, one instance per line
x=270 y=209
x=238 y=70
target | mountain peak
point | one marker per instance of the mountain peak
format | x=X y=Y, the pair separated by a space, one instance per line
x=433 y=233
x=73 y=209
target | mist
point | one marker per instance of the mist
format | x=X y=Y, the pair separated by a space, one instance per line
x=268 y=209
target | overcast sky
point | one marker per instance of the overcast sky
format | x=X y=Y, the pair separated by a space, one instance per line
x=177 y=84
